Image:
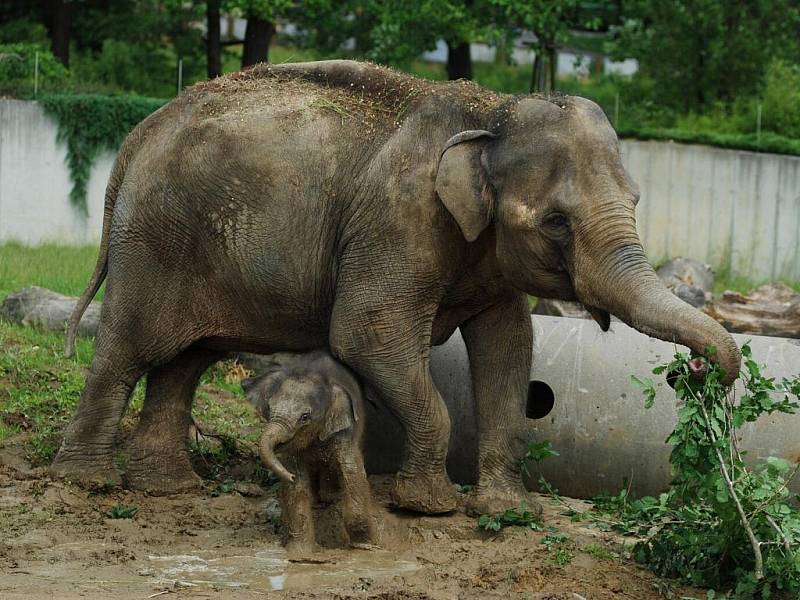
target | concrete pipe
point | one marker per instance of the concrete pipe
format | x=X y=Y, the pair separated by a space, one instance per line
x=581 y=398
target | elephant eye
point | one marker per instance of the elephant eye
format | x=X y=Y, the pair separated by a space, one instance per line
x=556 y=221
x=305 y=417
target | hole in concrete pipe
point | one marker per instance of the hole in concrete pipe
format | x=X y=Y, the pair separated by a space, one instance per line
x=672 y=377
x=541 y=400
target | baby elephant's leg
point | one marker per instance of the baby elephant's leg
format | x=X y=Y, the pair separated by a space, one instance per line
x=298 y=517
x=356 y=496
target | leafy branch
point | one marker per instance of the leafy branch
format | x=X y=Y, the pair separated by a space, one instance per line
x=721 y=523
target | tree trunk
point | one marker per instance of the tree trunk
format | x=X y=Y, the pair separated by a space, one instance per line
x=536 y=76
x=257 y=37
x=459 y=61
x=213 y=60
x=552 y=57
x=60 y=29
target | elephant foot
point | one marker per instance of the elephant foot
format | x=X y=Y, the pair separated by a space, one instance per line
x=162 y=477
x=91 y=472
x=432 y=495
x=299 y=550
x=491 y=499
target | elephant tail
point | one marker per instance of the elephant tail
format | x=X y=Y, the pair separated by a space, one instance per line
x=127 y=151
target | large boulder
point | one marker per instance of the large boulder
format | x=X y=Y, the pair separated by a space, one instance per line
x=46 y=309
x=689 y=279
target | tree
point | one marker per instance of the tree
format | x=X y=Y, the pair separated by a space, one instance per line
x=60 y=28
x=550 y=21
x=213 y=47
x=406 y=29
x=699 y=52
x=261 y=16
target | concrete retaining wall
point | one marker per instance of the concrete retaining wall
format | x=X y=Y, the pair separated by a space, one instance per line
x=724 y=207
x=35 y=181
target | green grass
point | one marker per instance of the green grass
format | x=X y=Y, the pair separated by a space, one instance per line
x=64 y=269
x=39 y=388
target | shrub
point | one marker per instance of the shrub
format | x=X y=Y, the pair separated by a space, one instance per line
x=17 y=65
x=782 y=99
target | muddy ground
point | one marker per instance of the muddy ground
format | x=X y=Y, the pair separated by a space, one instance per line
x=58 y=541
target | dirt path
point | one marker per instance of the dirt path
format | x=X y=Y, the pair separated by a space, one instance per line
x=58 y=542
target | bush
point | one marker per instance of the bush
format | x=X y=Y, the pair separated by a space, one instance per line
x=17 y=66
x=782 y=99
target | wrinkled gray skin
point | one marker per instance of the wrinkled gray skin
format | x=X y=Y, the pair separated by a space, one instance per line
x=338 y=204
x=315 y=419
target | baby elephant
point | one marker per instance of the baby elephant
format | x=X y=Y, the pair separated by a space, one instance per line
x=315 y=421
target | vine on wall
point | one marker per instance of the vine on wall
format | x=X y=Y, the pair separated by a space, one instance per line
x=89 y=124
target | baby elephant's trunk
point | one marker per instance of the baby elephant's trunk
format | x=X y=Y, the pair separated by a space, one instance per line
x=273 y=435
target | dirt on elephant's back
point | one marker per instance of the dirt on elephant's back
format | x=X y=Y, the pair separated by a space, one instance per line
x=58 y=541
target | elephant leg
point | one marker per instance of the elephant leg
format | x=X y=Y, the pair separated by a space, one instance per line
x=499 y=342
x=86 y=455
x=392 y=355
x=297 y=512
x=139 y=327
x=159 y=454
x=356 y=496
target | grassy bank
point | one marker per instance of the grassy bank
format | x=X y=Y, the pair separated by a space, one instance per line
x=39 y=388
x=64 y=269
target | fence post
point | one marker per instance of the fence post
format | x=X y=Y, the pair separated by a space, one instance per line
x=758 y=124
x=616 y=110
x=180 y=74
x=36 y=75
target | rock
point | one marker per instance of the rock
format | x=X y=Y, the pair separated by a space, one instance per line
x=45 y=309
x=690 y=280
x=688 y=271
x=249 y=489
x=772 y=309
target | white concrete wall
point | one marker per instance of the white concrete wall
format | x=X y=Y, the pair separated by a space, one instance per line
x=720 y=206
x=724 y=207
x=35 y=181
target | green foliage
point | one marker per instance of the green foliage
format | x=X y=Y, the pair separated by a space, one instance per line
x=39 y=388
x=781 y=109
x=513 y=517
x=598 y=551
x=17 y=66
x=122 y=511
x=703 y=51
x=89 y=124
x=403 y=30
x=556 y=543
x=536 y=452
x=268 y=10
x=696 y=532
x=24 y=31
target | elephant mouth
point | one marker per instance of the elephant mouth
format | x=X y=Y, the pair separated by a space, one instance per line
x=601 y=317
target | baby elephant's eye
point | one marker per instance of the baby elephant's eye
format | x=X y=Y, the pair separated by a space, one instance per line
x=305 y=417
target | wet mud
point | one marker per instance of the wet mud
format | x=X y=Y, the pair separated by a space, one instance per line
x=59 y=541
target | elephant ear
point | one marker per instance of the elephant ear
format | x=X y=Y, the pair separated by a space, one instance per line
x=462 y=182
x=340 y=413
x=257 y=389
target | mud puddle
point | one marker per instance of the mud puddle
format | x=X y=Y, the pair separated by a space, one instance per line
x=271 y=570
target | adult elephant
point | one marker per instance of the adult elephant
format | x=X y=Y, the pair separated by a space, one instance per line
x=347 y=205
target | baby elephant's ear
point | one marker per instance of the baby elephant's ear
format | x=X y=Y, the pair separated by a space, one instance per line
x=339 y=414
x=251 y=386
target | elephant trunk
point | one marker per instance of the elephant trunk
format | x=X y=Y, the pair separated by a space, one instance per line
x=625 y=285
x=274 y=434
